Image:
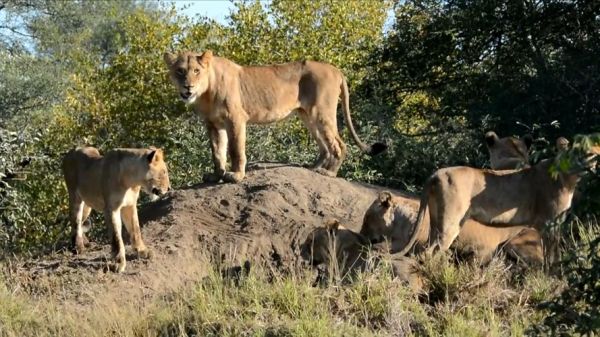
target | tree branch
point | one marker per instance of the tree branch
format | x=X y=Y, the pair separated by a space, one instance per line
x=15 y=31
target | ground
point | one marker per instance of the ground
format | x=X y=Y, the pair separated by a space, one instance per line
x=261 y=220
x=204 y=235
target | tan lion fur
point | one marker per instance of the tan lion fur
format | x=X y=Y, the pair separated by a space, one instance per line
x=508 y=153
x=351 y=251
x=527 y=197
x=392 y=217
x=229 y=96
x=111 y=184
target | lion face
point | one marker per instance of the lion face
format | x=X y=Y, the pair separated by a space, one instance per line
x=509 y=152
x=378 y=221
x=189 y=73
x=157 y=177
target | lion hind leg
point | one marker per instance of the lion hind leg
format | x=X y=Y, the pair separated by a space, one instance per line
x=335 y=146
x=85 y=225
x=113 y=221
x=449 y=219
x=311 y=125
x=450 y=232
x=334 y=165
x=76 y=210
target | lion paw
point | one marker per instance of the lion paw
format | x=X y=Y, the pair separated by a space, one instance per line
x=86 y=241
x=325 y=172
x=145 y=254
x=233 y=177
x=120 y=264
x=80 y=244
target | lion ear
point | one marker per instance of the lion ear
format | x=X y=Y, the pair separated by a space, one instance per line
x=332 y=225
x=528 y=140
x=155 y=155
x=491 y=138
x=562 y=144
x=169 y=58
x=385 y=198
x=205 y=58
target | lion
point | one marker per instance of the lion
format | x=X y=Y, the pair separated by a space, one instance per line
x=351 y=251
x=508 y=153
x=391 y=218
x=229 y=96
x=531 y=196
x=111 y=184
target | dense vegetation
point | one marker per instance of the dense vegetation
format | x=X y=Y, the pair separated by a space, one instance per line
x=430 y=81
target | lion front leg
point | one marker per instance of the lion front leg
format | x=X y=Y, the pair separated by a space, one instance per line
x=130 y=218
x=218 y=147
x=113 y=221
x=236 y=131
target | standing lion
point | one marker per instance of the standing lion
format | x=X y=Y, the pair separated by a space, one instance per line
x=112 y=184
x=229 y=96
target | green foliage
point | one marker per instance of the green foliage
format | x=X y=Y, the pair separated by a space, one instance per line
x=576 y=309
x=38 y=76
x=343 y=33
x=40 y=43
x=449 y=71
x=26 y=175
x=111 y=87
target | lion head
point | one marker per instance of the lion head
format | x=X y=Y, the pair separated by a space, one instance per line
x=189 y=73
x=156 y=180
x=335 y=240
x=508 y=153
x=378 y=222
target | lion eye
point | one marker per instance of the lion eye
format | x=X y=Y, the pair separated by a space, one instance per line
x=196 y=71
x=180 y=71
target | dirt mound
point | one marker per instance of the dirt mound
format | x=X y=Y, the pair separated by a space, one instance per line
x=264 y=218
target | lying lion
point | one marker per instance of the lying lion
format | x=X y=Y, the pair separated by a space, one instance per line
x=391 y=217
x=528 y=197
x=112 y=184
x=229 y=96
x=351 y=251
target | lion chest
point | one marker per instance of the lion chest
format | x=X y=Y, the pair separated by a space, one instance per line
x=130 y=197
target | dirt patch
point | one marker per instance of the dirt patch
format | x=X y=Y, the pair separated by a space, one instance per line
x=262 y=219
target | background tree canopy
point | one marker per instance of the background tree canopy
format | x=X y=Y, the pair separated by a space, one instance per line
x=430 y=83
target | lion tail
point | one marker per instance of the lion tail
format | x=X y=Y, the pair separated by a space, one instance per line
x=421 y=215
x=372 y=150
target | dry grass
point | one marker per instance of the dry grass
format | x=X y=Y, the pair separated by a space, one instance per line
x=460 y=300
